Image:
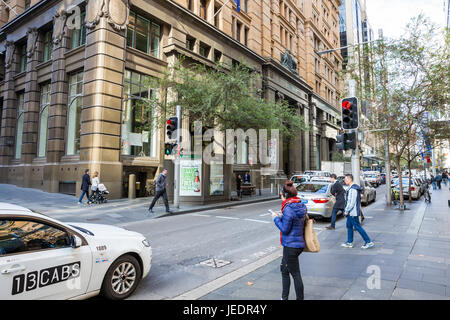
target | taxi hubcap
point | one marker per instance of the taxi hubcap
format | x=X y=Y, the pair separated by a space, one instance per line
x=123 y=277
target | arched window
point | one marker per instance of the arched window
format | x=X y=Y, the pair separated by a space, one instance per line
x=74 y=113
x=19 y=126
x=43 y=119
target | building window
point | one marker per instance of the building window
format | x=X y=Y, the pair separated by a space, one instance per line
x=238 y=31
x=190 y=43
x=79 y=35
x=190 y=5
x=23 y=58
x=204 y=50
x=138 y=122
x=143 y=34
x=43 y=119
x=203 y=7
x=19 y=126
x=27 y=4
x=246 y=36
x=74 y=117
x=48 y=46
x=217 y=56
x=216 y=16
x=244 y=5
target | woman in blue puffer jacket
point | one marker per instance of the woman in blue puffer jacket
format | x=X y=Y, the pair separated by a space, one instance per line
x=292 y=225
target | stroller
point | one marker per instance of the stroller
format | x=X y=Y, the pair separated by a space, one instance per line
x=99 y=195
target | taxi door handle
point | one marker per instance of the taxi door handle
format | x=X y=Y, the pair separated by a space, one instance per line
x=17 y=268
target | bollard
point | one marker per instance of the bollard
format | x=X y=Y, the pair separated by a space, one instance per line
x=132 y=186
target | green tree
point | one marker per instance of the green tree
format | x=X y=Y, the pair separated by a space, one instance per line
x=412 y=82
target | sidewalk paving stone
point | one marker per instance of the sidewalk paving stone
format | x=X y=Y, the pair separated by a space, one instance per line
x=413 y=259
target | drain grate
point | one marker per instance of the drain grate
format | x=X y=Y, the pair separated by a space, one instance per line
x=215 y=263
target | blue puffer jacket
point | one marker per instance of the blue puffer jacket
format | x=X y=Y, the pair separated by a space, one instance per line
x=292 y=225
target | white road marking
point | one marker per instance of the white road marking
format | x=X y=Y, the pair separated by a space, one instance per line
x=264 y=214
x=231 y=218
x=261 y=221
x=200 y=215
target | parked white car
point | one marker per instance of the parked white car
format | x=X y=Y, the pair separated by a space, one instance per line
x=42 y=258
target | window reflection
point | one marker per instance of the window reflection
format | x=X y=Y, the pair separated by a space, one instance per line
x=22 y=236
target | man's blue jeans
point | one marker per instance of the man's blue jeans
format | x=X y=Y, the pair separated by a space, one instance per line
x=82 y=195
x=354 y=222
x=333 y=216
x=434 y=185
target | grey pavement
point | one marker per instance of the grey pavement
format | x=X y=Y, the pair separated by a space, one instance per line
x=410 y=260
x=118 y=211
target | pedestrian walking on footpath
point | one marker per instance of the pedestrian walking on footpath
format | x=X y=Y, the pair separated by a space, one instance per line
x=94 y=186
x=352 y=211
x=445 y=178
x=338 y=191
x=161 y=191
x=439 y=180
x=238 y=186
x=433 y=182
x=85 y=183
x=291 y=223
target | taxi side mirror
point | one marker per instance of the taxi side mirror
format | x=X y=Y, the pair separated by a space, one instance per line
x=76 y=242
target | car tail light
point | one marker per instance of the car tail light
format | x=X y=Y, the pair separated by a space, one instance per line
x=321 y=200
x=413 y=189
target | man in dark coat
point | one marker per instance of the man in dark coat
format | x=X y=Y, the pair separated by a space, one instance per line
x=247 y=178
x=337 y=190
x=161 y=191
x=85 y=183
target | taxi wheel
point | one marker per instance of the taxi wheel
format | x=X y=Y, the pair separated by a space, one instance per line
x=122 y=278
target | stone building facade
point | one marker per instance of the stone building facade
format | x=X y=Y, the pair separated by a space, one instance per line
x=68 y=86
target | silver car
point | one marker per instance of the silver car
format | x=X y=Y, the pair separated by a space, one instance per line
x=317 y=198
x=369 y=193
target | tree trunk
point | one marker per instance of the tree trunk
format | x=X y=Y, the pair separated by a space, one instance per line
x=400 y=182
x=409 y=187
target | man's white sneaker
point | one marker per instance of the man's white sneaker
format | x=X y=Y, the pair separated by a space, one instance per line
x=368 y=245
x=347 y=245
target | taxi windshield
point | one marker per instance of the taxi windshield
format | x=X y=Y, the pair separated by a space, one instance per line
x=313 y=187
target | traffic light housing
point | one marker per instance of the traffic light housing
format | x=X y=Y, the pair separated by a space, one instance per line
x=346 y=141
x=172 y=125
x=349 y=112
x=168 y=148
x=340 y=144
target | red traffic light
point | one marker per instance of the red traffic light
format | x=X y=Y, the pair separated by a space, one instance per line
x=169 y=121
x=346 y=104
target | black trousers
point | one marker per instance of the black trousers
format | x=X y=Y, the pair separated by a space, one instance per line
x=290 y=266
x=158 y=194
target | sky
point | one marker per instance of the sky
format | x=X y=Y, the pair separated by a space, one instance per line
x=393 y=15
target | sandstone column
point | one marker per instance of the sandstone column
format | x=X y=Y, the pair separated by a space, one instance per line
x=103 y=88
x=31 y=106
x=9 y=113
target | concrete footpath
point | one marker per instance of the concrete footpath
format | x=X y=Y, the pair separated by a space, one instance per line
x=119 y=211
x=410 y=260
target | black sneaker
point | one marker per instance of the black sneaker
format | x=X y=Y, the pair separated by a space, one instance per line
x=150 y=210
x=330 y=228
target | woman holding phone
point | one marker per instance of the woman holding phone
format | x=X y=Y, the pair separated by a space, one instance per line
x=291 y=224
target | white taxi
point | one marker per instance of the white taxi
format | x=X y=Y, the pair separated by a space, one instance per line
x=42 y=258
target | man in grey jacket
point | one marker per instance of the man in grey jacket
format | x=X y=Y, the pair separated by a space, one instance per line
x=352 y=211
x=160 y=191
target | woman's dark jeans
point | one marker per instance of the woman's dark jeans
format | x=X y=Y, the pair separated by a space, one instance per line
x=290 y=265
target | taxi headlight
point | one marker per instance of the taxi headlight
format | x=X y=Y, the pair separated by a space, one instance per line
x=146 y=243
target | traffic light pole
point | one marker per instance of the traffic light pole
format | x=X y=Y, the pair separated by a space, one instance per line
x=176 y=189
x=356 y=169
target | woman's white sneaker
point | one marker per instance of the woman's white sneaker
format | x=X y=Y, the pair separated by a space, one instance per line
x=368 y=245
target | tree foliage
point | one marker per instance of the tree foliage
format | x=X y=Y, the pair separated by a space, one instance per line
x=224 y=97
x=411 y=88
